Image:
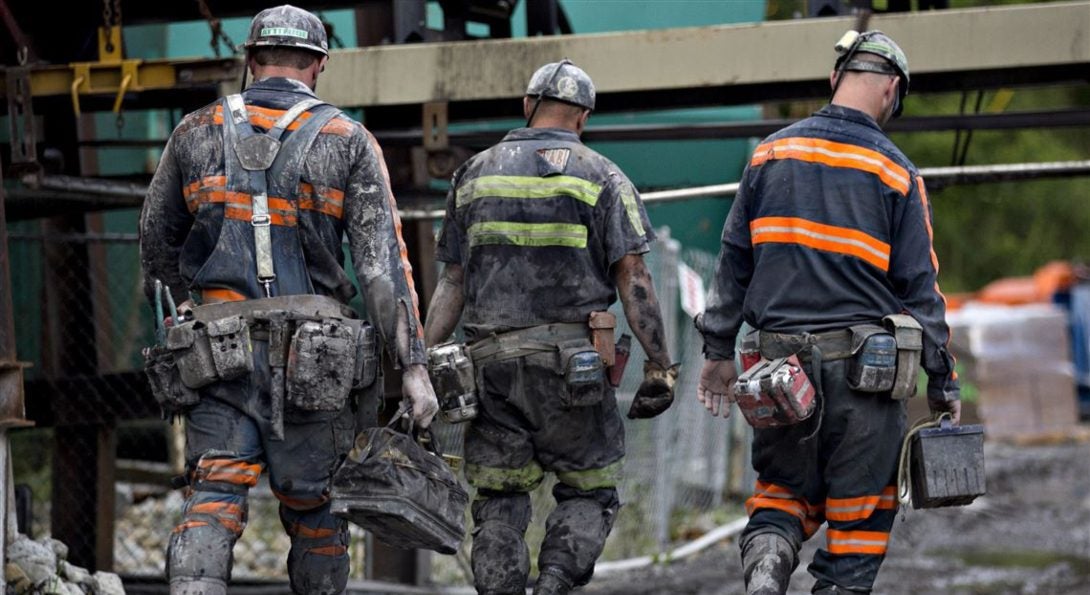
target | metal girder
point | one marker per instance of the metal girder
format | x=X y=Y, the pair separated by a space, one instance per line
x=87 y=78
x=725 y=64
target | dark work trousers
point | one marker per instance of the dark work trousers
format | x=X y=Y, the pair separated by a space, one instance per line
x=227 y=446
x=528 y=425
x=843 y=472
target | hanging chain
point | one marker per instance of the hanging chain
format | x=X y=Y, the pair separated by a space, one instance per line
x=216 y=28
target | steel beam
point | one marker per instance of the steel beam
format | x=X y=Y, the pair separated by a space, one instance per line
x=725 y=64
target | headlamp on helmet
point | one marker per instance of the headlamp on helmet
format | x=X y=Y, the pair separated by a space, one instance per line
x=879 y=44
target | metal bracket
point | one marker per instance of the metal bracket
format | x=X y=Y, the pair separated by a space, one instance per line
x=21 y=125
x=12 y=404
x=435 y=125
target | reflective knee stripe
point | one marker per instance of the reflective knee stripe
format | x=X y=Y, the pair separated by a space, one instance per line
x=228 y=514
x=593 y=479
x=527 y=187
x=857 y=542
x=229 y=471
x=859 y=508
x=296 y=503
x=523 y=479
x=328 y=550
x=769 y=496
x=298 y=529
x=189 y=525
x=570 y=235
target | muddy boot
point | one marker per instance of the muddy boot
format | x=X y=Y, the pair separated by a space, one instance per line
x=768 y=560
x=197 y=586
x=552 y=581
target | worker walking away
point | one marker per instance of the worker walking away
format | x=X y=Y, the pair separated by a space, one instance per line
x=245 y=217
x=827 y=252
x=540 y=235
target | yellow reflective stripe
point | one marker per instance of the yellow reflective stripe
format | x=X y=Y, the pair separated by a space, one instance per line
x=633 y=210
x=570 y=235
x=523 y=479
x=593 y=479
x=527 y=187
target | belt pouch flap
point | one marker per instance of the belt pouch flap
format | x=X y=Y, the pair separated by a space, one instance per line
x=321 y=365
x=791 y=388
x=755 y=403
x=232 y=353
x=165 y=381
x=583 y=371
x=601 y=332
x=909 y=338
x=873 y=363
x=192 y=354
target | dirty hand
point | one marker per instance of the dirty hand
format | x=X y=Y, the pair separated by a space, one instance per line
x=656 y=392
x=715 y=390
x=416 y=388
x=953 y=407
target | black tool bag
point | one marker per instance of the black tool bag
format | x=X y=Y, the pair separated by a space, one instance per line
x=402 y=492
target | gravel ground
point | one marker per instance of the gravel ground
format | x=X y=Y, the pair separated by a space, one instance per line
x=1030 y=534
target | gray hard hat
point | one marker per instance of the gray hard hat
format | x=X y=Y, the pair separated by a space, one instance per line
x=288 y=26
x=562 y=81
x=879 y=44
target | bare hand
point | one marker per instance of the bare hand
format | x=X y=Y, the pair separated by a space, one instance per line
x=715 y=390
x=416 y=387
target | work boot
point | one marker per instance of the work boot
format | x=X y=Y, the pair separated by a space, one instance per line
x=768 y=560
x=198 y=586
x=552 y=581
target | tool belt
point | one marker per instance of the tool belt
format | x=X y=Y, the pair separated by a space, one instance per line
x=318 y=353
x=884 y=358
x=583 y=353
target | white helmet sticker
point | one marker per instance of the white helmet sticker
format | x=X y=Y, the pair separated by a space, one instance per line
x=566 y=87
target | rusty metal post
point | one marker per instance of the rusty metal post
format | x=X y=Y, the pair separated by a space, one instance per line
x=12 y=409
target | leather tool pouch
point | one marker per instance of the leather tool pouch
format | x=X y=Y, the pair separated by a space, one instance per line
x=229 y=342
x=601 y=334
x=321 y=366
x=775 y=393
x=909 y=336
x=188 y=343
x=166 y=383
x=583 y=372
x=873 y=364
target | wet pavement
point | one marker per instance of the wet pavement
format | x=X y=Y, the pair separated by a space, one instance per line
x=1029 y=534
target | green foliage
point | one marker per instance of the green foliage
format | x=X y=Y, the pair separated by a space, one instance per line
x=987 y=231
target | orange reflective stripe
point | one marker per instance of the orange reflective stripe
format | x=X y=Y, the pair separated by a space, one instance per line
x=791 y=507
x=216 y=294
x=402 y=249
x=189 y=525
x=217 y=508
x=328 y=550
x=934 y=258
x=264 y=117
x=857 y=542
x=830 y=238
x=861 y=507
x=200 y=191
x=301 y=530
x=233 y=472
x=300 y=503
x=329 y=201
x=832 y=154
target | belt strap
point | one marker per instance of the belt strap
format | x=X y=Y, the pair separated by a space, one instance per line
x=834 y=345
x=317 y=306
x=526 y=341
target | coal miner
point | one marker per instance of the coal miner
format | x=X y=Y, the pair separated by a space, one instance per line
x=243 y=228
x=827 y=252
x=540 y=236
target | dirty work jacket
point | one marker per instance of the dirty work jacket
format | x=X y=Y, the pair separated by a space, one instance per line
x=831 y=227
x=536 y=222
x=195 y=231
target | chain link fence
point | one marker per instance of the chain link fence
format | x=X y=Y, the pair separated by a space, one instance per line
x=82 y=320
